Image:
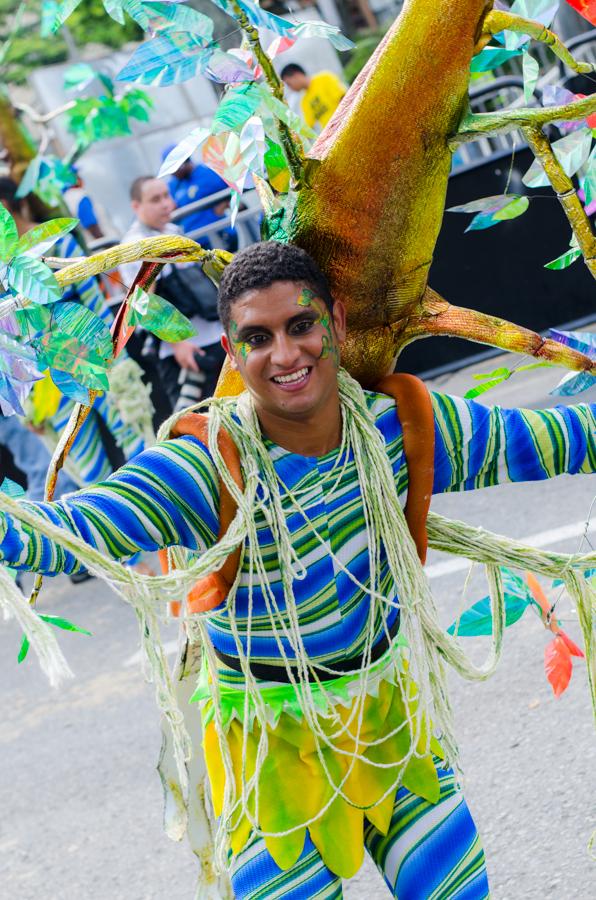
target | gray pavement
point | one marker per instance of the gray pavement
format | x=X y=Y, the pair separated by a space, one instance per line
x=81 y=801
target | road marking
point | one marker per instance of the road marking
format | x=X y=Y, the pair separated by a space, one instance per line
x=541 y=539
x=134 y=660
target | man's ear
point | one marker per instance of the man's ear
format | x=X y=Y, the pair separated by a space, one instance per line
x=225 y=343
x=339 y=320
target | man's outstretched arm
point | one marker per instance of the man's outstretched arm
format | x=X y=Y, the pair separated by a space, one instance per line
x=478 y=446
x=167 y=496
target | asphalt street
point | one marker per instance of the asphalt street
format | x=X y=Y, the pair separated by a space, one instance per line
x=81 y=801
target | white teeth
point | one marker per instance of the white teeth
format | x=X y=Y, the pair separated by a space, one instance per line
x=295 y=376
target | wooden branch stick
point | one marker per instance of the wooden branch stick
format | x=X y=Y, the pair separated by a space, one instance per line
x=497 y=21
x=477 y=125
x=292 y=148
x=566 y=193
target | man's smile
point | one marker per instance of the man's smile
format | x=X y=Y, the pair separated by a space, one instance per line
x=293 y=380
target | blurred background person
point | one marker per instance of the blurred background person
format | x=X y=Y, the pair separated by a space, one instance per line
x=90 y=214
x=321 y=93
x=186 y=371
x=192 y=182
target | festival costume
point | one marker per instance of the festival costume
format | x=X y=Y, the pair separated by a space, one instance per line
x=169 y=496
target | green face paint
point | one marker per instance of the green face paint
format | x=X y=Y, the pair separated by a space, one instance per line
x=241 y=348
x=329 y=345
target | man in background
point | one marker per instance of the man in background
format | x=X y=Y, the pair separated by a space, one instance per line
x=321 y=93
x=186 y=372
x=190 y=183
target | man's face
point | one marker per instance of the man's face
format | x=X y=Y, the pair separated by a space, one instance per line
x=297 y=81
x=155 y=206
x=285 y=343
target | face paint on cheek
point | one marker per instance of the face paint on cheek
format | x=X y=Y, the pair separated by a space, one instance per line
x=241 y=348
x=329 y=345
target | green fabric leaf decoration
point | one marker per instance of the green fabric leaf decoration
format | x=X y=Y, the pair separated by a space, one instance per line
x=32 y=279
x=64 y=624
x=158 y=316
x=589 y=180
x=531 y=71
x=9 y=235
x=63 y=351
x=494 y=378
x=39 y=239
x=564 y=261
x=11 y=488
x=517 y=207
x=492 y=57
x=236 y=108
x=30 y=178
x=69 y=387
x=478 y=619
x=24 y=649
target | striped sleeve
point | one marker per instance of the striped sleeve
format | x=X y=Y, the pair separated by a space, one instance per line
x=168 y=496
x=479 y=446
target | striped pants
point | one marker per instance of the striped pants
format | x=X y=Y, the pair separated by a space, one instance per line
x=431 y=852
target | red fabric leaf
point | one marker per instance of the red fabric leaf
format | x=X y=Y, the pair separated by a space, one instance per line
x=571 y=645
x=558 y=665
x=541 y=598
x=586 y=8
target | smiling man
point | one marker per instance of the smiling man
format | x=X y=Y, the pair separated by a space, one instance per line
x=316 y=711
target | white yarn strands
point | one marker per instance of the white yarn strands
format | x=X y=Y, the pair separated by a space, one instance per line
x=430 y=647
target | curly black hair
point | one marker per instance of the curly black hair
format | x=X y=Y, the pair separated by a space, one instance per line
x=260 y=265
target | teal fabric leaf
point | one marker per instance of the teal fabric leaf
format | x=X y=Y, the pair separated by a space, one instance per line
x=478 y=619
x=39 y=239
x=49 y=8
x=114 y=9
x=12 y=489
x=162 y=62
x=492 y=57
x=30 y=178
x=323 y=30
x=24 y=649
x=69 y=387
x=65 y=10
x=236 y=108
x=9 y=235
x=564 y=261
x=589 y=179
x=62 y=351
x=157 y=17
x=33 y=280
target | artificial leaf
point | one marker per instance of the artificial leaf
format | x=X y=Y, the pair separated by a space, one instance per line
x=49 y=8
x=157 y=17
x=484 y=204
x=280 y=44
x=65 y=10
x=589 y=180
x=24 y=649
x=492 y=57
x=236 y=108
x=78 y=76
x=278 y=173
x=39 y=239
x=221 y=152
x=158 y=316
x=564 y=261
x=572 y=151
x=531 y=71
x=64 y=624
x=182 y=151
x=323 y=30
x=491 y=380
x=558 y=665
x=478 y=619
x=67 y=385
x=11 y=488
x=571 y=645
x=575 y=382
x=225 y=68
x=162 y=62
x=252 y=145
x=60 y=350
x=114 y=9
x=542 y=11
x=30 y=178
x=586 y=8
x=33 y=280
x=9 y=235
x=517 y=207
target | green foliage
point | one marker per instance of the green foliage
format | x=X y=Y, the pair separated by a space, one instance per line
x=29 y=50
x=364 y=49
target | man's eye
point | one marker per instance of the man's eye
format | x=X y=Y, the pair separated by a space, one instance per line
x=303 y=327
x=255 y=340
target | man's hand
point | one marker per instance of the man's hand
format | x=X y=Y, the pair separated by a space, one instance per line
x=185 y=353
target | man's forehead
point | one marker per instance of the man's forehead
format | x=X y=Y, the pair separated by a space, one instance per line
x=281 y=300
x=153 y=189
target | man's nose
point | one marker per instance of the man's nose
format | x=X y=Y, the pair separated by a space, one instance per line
x=284 y=352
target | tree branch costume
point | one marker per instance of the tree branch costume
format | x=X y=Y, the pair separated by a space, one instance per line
x=319 y=668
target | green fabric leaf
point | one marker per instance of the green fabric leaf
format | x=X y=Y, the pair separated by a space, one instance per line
x=8 y=234
x=531 y=74
x=236 y=108
x=62 y=351
x=39 y=239
x=159 y=317
x=11 y=488
x=64 y=624
x=478 y=619
x=492 y=57
x=494 y=378
x=564 y=261
x=517 y=207
x=24 y=649
x=589 y=180
x=30 y=178
x=33 y=280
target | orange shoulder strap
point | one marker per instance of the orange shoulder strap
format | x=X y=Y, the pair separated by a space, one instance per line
x=414 y=408
x=213 y=589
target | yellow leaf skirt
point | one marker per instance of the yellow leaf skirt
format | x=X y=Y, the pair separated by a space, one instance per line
x=296 y=785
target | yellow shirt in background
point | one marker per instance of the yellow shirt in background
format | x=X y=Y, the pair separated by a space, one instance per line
x=321 y=98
